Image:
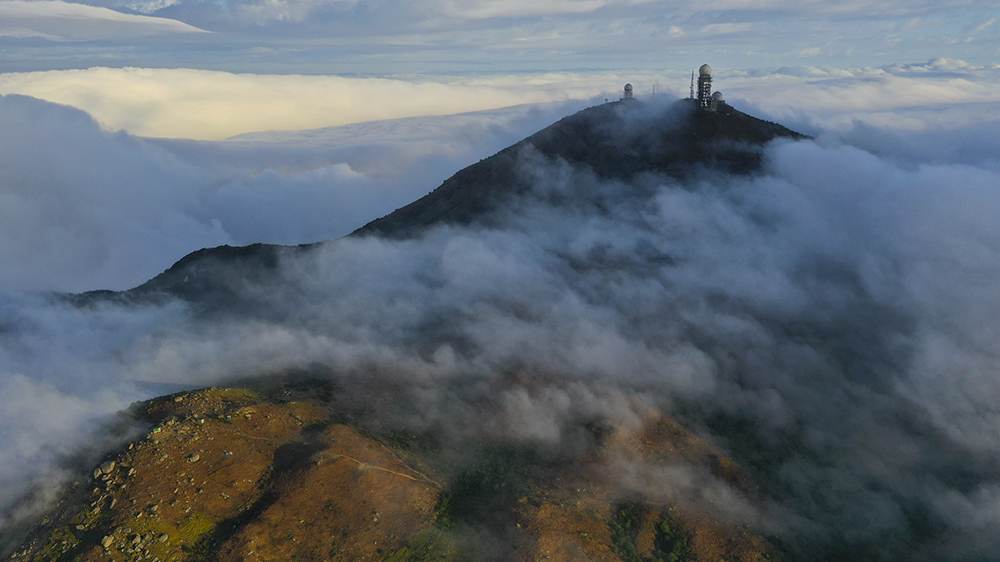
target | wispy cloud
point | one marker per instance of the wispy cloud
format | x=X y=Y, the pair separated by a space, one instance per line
x=64 y=21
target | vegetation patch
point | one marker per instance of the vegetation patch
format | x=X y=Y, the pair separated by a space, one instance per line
x=670 y=542
x=207 y=547
x=429 y=546
x=83 y=532
x=489 y=488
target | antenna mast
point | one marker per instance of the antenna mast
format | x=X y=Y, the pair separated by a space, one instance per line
x=691 y=95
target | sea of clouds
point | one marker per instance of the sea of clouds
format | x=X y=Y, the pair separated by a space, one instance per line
x=840 y=308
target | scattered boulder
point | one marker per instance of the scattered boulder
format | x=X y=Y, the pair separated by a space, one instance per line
x=108 y=467
x=107 y=541
x=193 y=457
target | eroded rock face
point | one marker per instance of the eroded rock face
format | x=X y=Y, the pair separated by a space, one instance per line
x=278 y=478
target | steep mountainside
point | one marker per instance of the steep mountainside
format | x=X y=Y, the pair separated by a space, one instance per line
x=616 y=141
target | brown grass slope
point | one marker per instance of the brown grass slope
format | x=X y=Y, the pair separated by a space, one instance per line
x=274 y=475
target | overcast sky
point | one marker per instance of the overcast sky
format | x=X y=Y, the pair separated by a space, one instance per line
x=422 y=36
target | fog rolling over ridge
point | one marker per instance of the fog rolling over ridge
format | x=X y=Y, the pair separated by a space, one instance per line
x=828 y=319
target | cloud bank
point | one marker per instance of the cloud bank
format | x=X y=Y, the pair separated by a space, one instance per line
x=216 y=105
x=199 y=104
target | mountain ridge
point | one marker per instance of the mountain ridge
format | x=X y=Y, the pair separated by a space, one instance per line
x=616 y=141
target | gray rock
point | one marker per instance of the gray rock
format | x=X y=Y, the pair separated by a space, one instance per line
x=107 y=541
x=108 y=467
x=193 y=457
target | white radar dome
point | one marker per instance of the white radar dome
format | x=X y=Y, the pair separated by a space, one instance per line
x=628 y=87
x=717 y=96
x=705 y=70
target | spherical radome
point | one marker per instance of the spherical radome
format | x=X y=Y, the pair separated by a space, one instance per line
x=717 y=96
x=628 y=87
x=705 y=70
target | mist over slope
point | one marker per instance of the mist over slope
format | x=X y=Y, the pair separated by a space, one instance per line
x=87 y=209
x=830 y=320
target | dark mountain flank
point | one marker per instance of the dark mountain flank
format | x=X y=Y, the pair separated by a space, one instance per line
x=614 y=141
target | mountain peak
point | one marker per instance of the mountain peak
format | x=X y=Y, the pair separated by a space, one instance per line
x=618 y=141
x=615 y=141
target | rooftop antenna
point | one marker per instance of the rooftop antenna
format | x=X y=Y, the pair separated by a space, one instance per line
x=691 y=95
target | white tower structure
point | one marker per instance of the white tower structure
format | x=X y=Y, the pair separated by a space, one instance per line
x=704 y=86
x=628 y=92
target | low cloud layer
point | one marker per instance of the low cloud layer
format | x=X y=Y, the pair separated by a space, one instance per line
x=198 y=104
x=216 y=105
x=830 y=323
